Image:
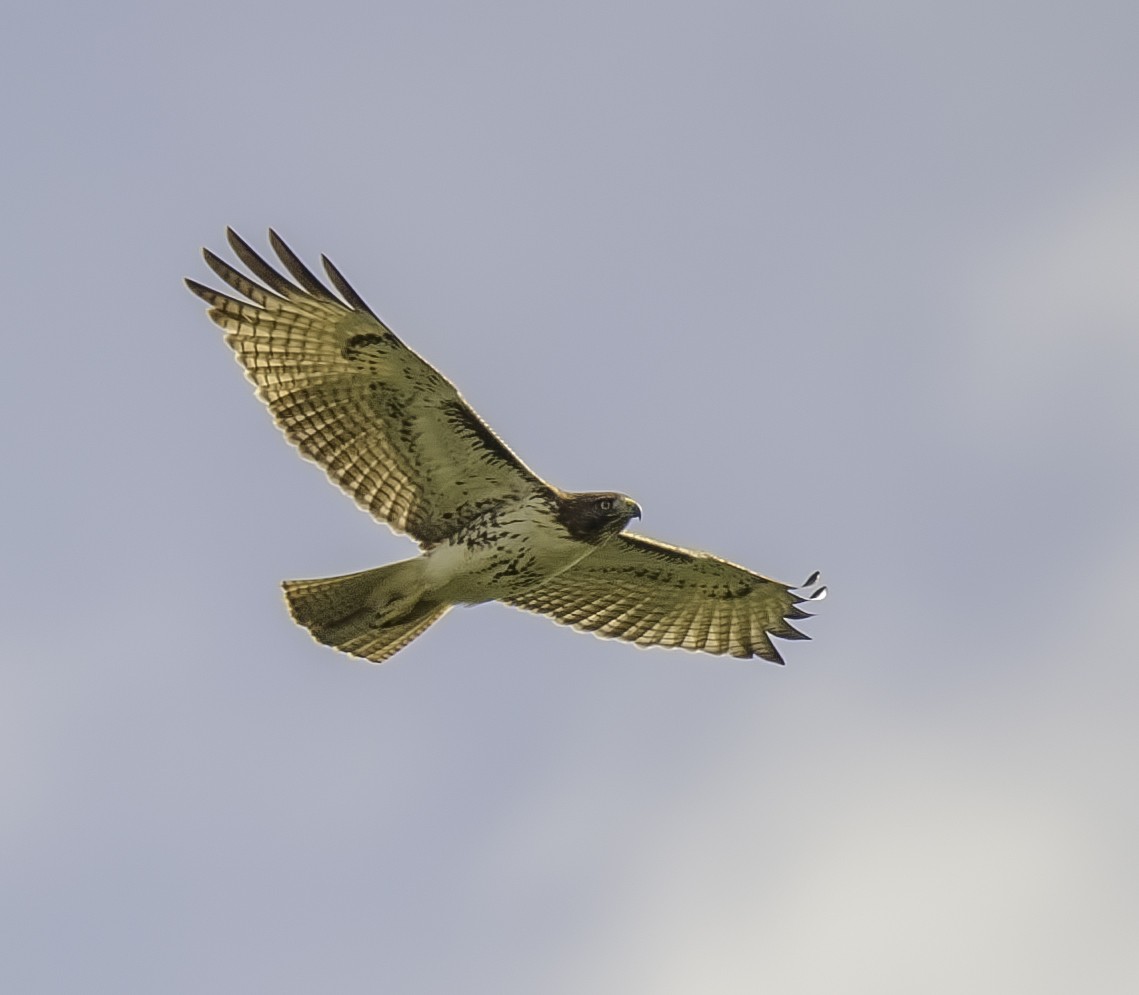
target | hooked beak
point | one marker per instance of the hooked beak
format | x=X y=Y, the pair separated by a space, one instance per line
x=634 y=509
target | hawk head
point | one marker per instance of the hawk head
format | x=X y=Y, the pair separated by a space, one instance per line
x=593 y=517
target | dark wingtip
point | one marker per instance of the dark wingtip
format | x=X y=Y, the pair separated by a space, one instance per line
x=208 y=294
x=299 y=271
x=279 y=246
x=345 y=288
x=236 y=242
x=816 y=595
x=216 y=263
x=788 y=631
x=763 y=647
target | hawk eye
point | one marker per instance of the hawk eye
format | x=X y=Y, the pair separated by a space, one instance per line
x=605 y=504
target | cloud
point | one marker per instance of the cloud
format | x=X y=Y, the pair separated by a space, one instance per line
x=1053 y=301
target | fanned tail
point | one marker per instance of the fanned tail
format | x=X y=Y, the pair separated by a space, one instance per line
x=372 y=614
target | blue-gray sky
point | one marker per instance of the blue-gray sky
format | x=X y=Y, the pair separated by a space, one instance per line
x=837 y=286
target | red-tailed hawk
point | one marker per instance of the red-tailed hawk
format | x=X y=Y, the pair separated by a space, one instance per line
x=397 y=436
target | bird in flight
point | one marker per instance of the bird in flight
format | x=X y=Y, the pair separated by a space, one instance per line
x=397 y=437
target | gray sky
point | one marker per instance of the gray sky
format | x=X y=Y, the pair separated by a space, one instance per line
x=850 y=287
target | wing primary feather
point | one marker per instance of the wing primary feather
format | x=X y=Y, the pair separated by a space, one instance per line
x=766 y=650
x=300 y=272
x=345 y=288
x=258 y=266
x=786 y=630
x=215 y=298
x=239 y=281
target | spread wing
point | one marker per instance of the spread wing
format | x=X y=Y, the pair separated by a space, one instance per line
x=654 y=594
x=386 y=426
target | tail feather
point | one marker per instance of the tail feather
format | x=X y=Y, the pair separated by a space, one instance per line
x=371 y=614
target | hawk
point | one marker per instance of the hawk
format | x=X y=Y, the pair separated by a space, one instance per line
x=397 y=436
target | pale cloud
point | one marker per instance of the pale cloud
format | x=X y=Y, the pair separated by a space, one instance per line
x=978 y=843
x=1054 y=298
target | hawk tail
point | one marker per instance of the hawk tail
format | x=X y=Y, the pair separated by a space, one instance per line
x=371 y=614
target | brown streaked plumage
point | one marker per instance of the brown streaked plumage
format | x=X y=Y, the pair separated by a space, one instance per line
x=398 y=437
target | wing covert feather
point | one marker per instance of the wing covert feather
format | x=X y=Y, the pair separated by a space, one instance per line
x=653 y=594
x=385 y=425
